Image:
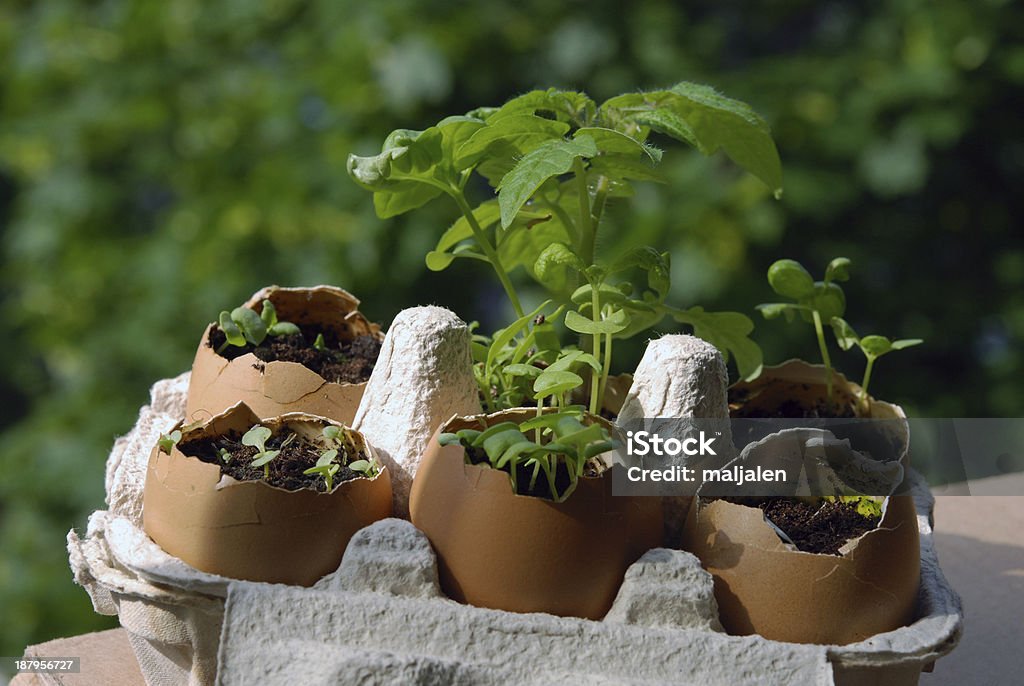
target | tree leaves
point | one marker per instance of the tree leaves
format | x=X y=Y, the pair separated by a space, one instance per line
x=549 y=159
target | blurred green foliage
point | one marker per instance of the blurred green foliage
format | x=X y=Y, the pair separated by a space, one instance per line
x=149 y=149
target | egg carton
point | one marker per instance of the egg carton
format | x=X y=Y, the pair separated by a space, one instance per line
x=381 y=618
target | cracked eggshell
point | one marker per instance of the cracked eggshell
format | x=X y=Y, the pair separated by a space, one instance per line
x=274 y=388
x=806 y=384
x=518 y=553
x=765 y=587
x=249 y=529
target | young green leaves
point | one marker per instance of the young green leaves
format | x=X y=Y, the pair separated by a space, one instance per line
x=166 y=442
x=824 y=301
x=814 y=301
x=873 y=347
x=257 y=437
x=326 y=467
x=553 y=157
x=560 y=438
x=243 y=326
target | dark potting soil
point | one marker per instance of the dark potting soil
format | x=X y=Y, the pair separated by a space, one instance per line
x=525 y=474
x=814 y=528
x=339 y=362
x=787 y=409
x=285 y=469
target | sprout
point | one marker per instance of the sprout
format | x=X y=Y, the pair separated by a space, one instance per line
x=257 y=437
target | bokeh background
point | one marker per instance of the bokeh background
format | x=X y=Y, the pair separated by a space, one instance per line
x=160 y=160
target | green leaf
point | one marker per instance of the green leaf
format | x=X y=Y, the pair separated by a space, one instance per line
x=547 y=160
x=567 y=106
x=256 y=437
x=607 y=294
x=620 y=168
x=789 y=279
x=571 y=358
x=327 y=458
x=250 y=323
x=264 y=458
x=580 y=324
x=486 y=214
x=231 y=331
x=846 y=337
x=875 y=346
x=773 y=310
x=361 y=466
x=268 y=314
x=511 y=137
x=504 y=337
x=906 y=343
x=332 y=433
x=167 y=441
x=455 y=131
x=838 y=270
x=729 y=332
x=669 y=123
x=704 y=118
x=403 y=176
x=721 y=122
x=655 y=264
x=521 y=370
x=615 y=142
x=555 y=382
x=284 y=329
x=828 y=299
x=553 y=261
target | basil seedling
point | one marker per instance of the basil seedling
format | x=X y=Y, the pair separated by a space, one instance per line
x=873 y=347
x=326 y=467
x=257 y=437
x=814 y=301
x=166 y=442
x=242 y=326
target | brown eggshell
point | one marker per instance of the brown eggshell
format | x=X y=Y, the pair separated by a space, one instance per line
x=249 y=529
x=274 y=388
x=796 y=380
x=764 y=587
x=519 y=553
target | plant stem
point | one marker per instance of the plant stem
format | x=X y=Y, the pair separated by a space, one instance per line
x=489 y=251
x=587 y=231
x=600 y=197
x=824 y=352
x=606 y=366
x=864 y=384
x=595 y=376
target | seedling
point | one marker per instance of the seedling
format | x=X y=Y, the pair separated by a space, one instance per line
x=242 y=326
x=873 y=347
x=166 y=442
x=326 y=467
x=319 y=343
x=563 y=438
x=554 y=159
x=814 y=301
x=257 y=437
x=367 y=468
x=225 y=455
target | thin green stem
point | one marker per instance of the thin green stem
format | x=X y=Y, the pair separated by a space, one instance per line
x=595 y=376
x=600 y=198
x=865 y=406
x=824 y=352
x=606 y=366
x=587 y=232
x=489 y=251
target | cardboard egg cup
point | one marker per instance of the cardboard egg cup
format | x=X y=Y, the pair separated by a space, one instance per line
x=393 y=623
